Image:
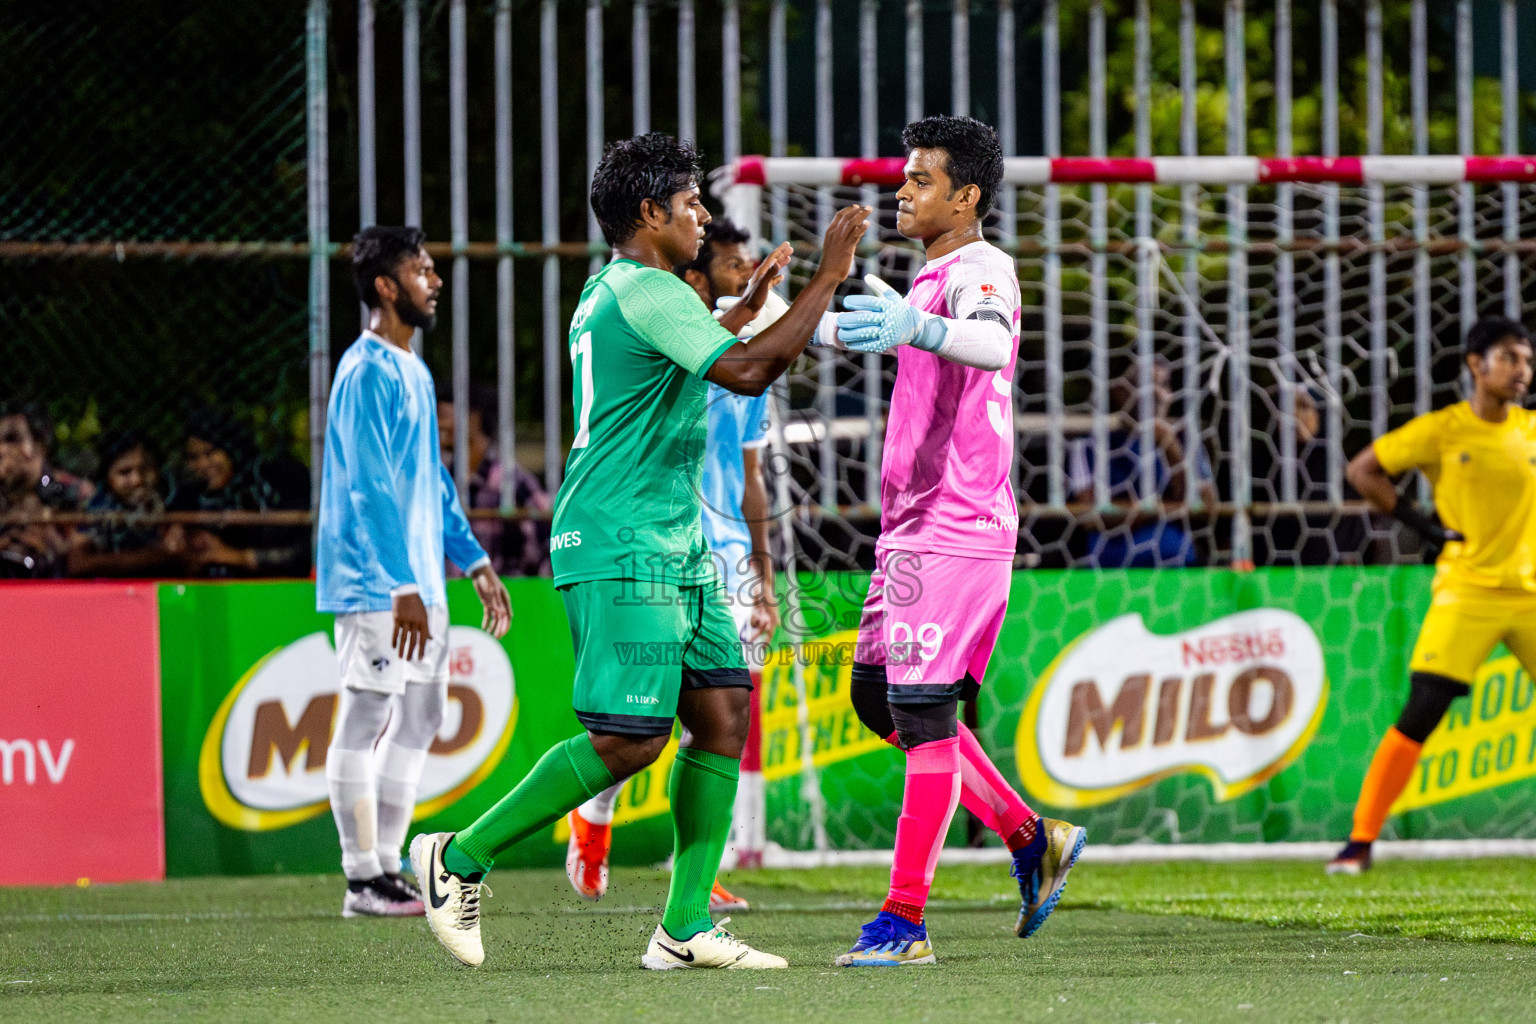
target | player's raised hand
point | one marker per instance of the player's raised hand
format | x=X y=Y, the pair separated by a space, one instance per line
x=841 y=242
x=493 y=598
x=766 y=277
x=411 y=629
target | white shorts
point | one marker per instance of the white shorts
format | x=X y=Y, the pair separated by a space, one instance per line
x=369 y=661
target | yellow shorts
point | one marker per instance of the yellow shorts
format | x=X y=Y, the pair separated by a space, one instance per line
x=1465 y=624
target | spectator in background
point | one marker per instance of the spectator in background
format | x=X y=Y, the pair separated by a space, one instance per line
x=130 y=485
x=517 y=548
x=1147 y=538
x=31 y=548
x=226 y=475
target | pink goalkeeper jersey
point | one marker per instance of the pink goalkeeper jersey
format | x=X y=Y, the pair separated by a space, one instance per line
x=945 y=480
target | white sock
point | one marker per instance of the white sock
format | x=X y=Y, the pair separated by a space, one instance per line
x=354 y=804
x=399 y=772
x=599 y=809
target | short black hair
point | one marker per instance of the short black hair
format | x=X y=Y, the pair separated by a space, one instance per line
x=222 y=431
x=1489 y=331
x=376 y=252
x=720 y=231
x=483 y=399
x=975 y=156
x=119 y=443
x=39 y=423
x=654 y=166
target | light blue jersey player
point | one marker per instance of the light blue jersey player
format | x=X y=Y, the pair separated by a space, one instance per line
x=736 y=514
x=388 y=516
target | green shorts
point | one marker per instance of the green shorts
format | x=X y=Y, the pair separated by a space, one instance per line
x=638 y=645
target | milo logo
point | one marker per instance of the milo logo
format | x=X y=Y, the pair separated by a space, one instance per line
x=1235 y=700
x=262 y=764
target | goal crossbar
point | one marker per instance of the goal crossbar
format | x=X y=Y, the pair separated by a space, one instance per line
x=1162 y=170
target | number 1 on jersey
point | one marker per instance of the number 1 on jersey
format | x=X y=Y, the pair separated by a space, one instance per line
x=581 y=368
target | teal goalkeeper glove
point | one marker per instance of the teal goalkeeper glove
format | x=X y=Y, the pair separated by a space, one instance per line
x=880 y=322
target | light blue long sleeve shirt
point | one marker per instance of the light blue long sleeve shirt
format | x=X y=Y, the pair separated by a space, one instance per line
x=735 y=422
x=388 y=509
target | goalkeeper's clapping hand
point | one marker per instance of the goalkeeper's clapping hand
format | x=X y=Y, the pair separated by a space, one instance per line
x=880 y=322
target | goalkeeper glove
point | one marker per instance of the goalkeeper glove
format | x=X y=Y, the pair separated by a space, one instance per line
x=879 y=322
x=1424 y=524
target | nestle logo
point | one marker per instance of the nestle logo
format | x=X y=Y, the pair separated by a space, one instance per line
x=1234 y=647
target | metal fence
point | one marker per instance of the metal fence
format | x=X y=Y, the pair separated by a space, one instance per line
x=426 y=112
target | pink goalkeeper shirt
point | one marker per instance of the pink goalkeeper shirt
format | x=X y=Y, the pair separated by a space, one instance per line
x=945 y=479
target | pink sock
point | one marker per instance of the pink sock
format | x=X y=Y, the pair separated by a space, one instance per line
x=983 y=790
x=927 y=805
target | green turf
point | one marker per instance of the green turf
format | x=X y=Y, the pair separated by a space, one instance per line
x=1127 y=946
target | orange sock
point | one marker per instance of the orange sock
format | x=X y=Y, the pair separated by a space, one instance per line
x=1390 y=771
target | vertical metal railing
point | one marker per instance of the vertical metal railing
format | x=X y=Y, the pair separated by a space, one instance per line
x=506 y=353
x=1189 y=237
x=1238 y=366
x=730 y=78
x=778 y=113
x=317 y=186
x=869 y=146
x=1146 y=282
x=1285 y=262
x=826 y=366
x=549 y=209
x=960 y=58
x=1333 y=328
x=367 y=165
x=410 y=75
x=1008 y=201
x=1050 y=122
x=458 y=159
x=687 y=96
x=1423 y=329
x=1098 y=234
x=1509 y=74
x=1467 y=260
x=1375 y=197
x=594 y=118
x=640 y=67
x=914 y=64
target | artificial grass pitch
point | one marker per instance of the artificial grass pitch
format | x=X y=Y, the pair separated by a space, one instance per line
x=1425 y=941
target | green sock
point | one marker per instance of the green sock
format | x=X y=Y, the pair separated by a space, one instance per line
x=703 y=794
x=565 y=776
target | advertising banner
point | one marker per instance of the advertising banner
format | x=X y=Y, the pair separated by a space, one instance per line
x=80 y=794
x=1185 y=705
x=251 y=695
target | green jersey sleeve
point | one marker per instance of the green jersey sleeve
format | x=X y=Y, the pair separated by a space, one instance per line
x=669 y=315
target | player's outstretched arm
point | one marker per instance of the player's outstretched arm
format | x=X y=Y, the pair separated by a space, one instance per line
x=764 y=279
x=883 y=320
x=748 y=368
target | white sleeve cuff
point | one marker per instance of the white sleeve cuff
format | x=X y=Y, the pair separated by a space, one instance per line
x=826 y=332
x=403 y=589
x=480 y=563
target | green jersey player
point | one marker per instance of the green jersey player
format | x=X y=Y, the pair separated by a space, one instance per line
x=654 y=638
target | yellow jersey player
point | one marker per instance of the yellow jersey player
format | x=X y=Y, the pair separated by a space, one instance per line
x=1480 y=457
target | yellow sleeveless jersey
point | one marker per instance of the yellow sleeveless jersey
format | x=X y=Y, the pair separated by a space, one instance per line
x=1484 y=476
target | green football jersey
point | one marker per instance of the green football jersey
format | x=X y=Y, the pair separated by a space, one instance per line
x=641 y=342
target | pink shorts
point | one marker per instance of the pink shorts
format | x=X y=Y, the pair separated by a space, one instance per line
x=932 y=621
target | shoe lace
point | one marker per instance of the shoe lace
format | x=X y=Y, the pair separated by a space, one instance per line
x=469 y=903
x=1029 y=880
x=720 y=934
x=878 y=932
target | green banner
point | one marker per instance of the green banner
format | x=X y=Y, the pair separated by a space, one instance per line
x=1182 y=705
x=250 y=693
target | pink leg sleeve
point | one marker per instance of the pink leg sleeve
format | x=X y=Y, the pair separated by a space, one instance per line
x=927 y=806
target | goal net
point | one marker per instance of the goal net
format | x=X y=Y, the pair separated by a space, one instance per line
x=1266 y=318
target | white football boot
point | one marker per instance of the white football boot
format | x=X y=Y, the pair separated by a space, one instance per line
x=453 y=903
x=715 y=948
